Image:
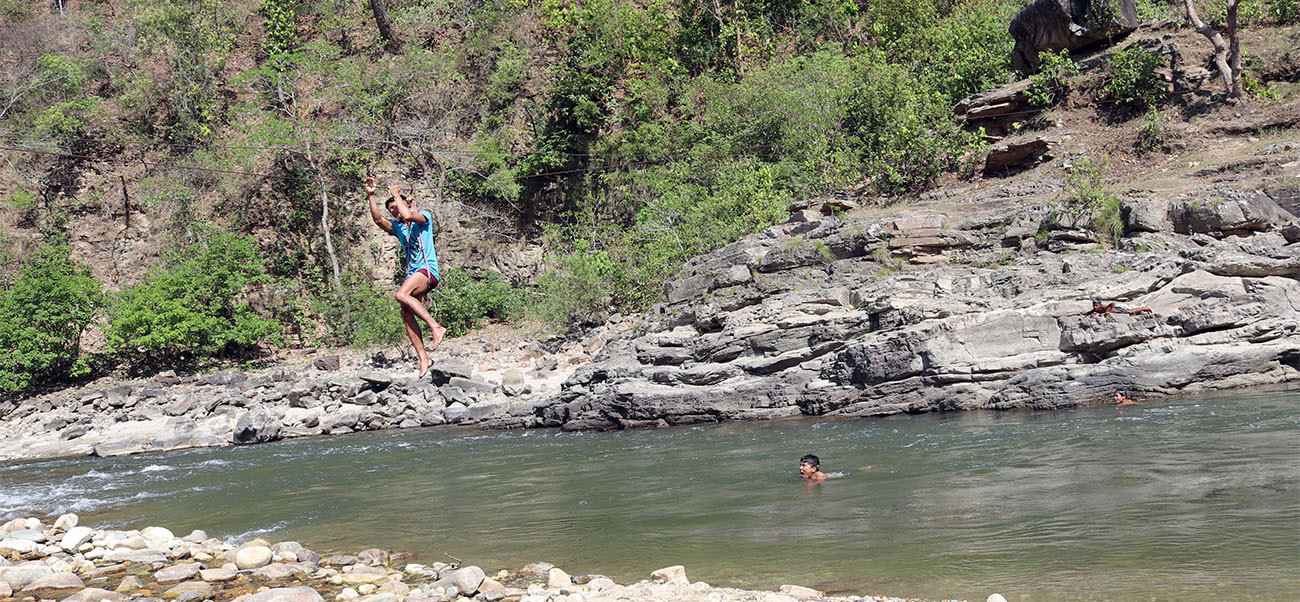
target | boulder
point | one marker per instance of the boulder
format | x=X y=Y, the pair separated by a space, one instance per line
x=1064 y=24
x=466 y=579
x=189 y=591
x=443 y=371
x=257 y=427
x=1017 y=155
x=327 y=363
x=180 y=572
x=556 y=579
x=218 y=575
x=361 y=573
x=675 y=574
x=252 y=557
x=17 y=577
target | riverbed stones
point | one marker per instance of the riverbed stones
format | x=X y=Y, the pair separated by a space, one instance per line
x=373 y=556
x=799 y=591
x=76 y=536
x=64 y=523
x=557 y=578
x=17 y=577
x=253 y=557
x=219 y=575
x=129 y=584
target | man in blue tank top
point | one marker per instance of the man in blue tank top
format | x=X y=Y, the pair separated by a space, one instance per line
x=414 y=230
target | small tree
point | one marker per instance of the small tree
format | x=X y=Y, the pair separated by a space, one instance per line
x=1227 y=56
x=42 y=317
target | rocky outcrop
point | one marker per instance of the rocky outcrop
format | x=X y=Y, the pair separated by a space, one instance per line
x=838 y=317
x=1064 y=24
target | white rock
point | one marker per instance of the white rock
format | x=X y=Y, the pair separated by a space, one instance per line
x=601 y=583
x=286 y=594
x=195 y=536
x=158 y=537
x=675 y=574
x=995 y=598
x=23 y=547
x=799 y=591
x=556 y=579
x=413 y=569
x=176 y=573
x=347 y=594
x=366 y=589
x=76 y=537
x=253 y=557
x=65 y=522
x=33 y=522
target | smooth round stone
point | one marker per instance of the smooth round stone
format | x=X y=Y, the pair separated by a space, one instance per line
x=366 y=589
x=253 y=557
x=22 y=547
x=394 y=586
x=195 y=536
x=220 y=575
x=348 y=594
x=995 y=598
x=188 y=591
x=373 y=556
x=675 y=574
x=158 y=537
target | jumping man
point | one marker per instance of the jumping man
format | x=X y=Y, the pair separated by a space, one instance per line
x=414 y=229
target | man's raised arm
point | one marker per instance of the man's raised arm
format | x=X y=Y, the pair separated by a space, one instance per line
x=375 y=213
x=403 y=209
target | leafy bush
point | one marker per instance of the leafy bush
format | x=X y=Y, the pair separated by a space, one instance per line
x=1285 y=11
x=375 y=318
x=42 y=317
x=1050 y=85
x=15 y=10
x=67 y=121
x=462 y=302
x=1131 y=77
x=1153 y=136
x=574 y=290
x=967 y=51
x=196 y=308
x=907 y=138
x=1085 y=196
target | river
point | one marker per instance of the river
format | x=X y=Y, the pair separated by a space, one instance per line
x=1195 y=498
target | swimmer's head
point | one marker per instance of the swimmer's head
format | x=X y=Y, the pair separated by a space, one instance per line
x=809 y=464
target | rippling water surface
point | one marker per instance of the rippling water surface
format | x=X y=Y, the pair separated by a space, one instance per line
x=1193 y=499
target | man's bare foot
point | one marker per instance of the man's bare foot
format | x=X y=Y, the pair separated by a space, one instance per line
x=424 y=366
x=436 y=338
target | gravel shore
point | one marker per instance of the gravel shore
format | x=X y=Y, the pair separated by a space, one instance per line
x=73 y=563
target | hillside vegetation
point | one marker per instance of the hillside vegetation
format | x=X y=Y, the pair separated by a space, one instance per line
x=203 y=156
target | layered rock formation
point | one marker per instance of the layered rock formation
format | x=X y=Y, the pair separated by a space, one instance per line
x=842 y=316
x=1065 y=25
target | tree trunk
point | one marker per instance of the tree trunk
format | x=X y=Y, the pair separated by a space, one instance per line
x=329 y=244
x=1216 y=38
x=1234 y=51
x=385 y=26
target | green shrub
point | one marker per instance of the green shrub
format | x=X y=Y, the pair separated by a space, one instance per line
x=1284 y=11
x=15 y=10
x=67 y=121
x=1085 y=196
x=575 y=289
x=67 y=76
x=1154 y=10
x=23 y=201
x=462 y=302
x=907 y=138
x=1153 y=136
x=194 y=309
x=967 y=51
x=1051 y=84
x=1131 y=77
x=375 y=318
x=42 y=317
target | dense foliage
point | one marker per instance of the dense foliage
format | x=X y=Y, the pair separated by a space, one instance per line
x=1131 y=77
x=42 y=316
x=195 y=308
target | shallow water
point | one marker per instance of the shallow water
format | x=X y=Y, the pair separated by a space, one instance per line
x=1197 y=498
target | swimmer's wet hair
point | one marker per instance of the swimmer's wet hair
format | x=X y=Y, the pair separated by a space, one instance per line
x=811 y=460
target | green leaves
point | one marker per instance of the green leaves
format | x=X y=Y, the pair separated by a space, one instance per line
x=197 y=308
x=1131 y=77
x=42 y=317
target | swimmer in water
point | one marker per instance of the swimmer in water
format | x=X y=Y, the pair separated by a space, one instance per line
x=1122 y=399
x=810 y=469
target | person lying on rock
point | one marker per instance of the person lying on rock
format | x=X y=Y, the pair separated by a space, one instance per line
x=810 y=469
x=414 y=229
x=1099 y=308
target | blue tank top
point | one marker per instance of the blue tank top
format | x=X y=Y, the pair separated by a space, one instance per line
x=417 y=245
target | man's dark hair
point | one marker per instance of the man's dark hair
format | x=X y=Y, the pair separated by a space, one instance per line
x=811 y=460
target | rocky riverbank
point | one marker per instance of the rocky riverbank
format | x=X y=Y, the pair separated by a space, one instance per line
x=73 y=563
x=478 y=376
x=967 y=299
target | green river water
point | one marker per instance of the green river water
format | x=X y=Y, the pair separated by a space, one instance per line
x=1192 y=499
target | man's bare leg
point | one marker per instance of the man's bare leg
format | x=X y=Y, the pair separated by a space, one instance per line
x=410 y=295
x=413 y=332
